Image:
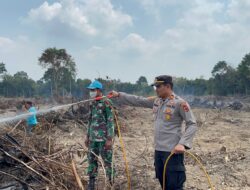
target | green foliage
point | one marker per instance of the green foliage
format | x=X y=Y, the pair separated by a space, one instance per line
x=59 y=79
x=224 y=81
x=244 y=74
x=142 y=81
x=17 y=85
x=2 y=68
x=80 y=88
x=220 y=68
x=61 y=70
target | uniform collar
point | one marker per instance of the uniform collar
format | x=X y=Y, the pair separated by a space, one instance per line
x=171 y=97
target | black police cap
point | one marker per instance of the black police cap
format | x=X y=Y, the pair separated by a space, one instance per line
x=162 y=79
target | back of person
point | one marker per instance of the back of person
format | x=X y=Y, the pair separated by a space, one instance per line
x=31 y=120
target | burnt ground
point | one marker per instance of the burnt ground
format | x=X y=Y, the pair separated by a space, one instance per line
x=221 y=143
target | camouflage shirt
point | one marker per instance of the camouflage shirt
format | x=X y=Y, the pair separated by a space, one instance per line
x=101 y=121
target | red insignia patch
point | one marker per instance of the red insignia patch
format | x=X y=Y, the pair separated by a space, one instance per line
x=185 y=107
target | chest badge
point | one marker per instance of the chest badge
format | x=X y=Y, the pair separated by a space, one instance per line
x=168 y=113
x=168 y=116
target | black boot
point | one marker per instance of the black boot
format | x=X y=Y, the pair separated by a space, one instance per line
x=91 y=185
x=111 y=181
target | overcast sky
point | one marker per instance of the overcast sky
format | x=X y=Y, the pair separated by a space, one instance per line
x=126 y=38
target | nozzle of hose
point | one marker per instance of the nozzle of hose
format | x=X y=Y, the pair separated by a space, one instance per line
x=101 y=97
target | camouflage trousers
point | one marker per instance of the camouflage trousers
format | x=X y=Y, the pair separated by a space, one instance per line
x=99 y=149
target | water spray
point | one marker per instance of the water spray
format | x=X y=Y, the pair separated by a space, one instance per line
x=47 y=110
x=56 y=108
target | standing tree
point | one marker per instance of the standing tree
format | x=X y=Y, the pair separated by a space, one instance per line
x=21 y=75
x=220 y=68
x=60 y=67
x=224 y=79
x=2 y=68
x=142 y=81
x=81 y=88
x=244 y=73
x=142 y=86
x=2 y=74
x=24 y=85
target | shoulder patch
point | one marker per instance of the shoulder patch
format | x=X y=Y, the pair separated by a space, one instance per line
x=172 y=97
x=185 y=106
x=108 y=103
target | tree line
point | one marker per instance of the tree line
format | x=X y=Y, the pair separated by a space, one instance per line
x=59 y=80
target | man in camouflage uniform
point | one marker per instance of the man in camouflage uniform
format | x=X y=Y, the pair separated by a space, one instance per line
x=169 y=111
x=100 y=134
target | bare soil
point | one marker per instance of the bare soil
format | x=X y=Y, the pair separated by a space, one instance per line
x=221 y=143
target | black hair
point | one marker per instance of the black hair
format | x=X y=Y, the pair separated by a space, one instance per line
x=29 y=103
x=171 y=85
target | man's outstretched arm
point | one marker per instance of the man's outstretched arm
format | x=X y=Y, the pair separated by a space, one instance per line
x=133 y=100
